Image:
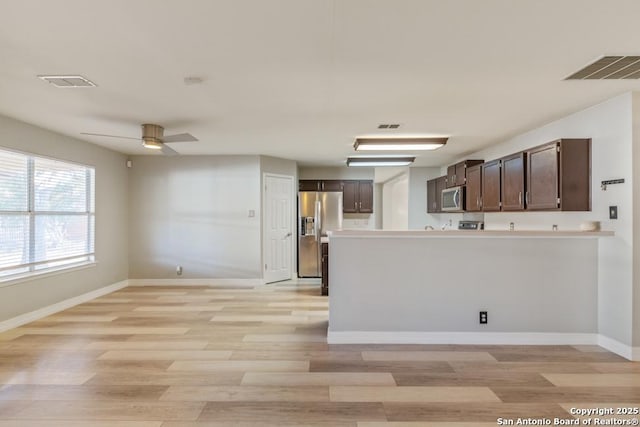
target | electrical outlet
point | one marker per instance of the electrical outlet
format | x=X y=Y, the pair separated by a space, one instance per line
x=483 y=318
x=613 y=212
x=179 y=270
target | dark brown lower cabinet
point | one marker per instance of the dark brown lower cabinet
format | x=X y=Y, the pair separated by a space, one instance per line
x=325 y=268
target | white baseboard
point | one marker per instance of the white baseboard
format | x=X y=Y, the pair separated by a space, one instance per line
x=59 y=306
x=615 y=346
x=196 y=282
x=483 y=338
x=488 y=338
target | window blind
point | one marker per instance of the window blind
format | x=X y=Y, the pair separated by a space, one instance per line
x=47 y=215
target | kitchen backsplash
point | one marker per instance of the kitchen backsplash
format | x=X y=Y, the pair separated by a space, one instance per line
x=358 y=221
x=567 y=221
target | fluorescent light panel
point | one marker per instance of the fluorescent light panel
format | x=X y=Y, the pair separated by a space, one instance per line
x=390 y=144
x=380 y=161
x=67 y=80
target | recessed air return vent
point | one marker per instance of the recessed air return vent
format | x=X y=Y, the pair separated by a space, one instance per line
x=610 y=67
x=388 y=126
x=68 y=81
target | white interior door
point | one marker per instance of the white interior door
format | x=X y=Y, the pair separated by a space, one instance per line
x=278 y=227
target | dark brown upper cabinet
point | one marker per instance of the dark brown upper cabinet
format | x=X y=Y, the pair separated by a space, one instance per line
x=441 y=184
x=320 y=185
x=559 y=176
x=350 y=196
x=365 y=205
x=451 y=176
x=491 y=188
x=513 y=181
x=357 y=196
x=474 y=189
x=457 y=174
x=432 y=198
x=434 y=194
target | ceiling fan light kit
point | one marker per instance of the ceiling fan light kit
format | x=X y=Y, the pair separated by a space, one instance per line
x=152 y=136
x=154 y=139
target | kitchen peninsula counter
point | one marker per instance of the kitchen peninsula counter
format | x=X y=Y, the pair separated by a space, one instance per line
x=468 y=233
x=538 y=287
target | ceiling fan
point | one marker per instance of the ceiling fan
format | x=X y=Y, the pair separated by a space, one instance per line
x=153 y=138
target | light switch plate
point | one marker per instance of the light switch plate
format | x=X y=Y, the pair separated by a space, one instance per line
x=252 y=213
x=613 y=212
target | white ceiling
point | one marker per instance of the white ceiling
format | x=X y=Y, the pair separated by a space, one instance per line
x=299 y=79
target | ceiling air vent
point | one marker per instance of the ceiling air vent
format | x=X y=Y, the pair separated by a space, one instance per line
x=68 y=81
x=388 y=126
x=610 y=67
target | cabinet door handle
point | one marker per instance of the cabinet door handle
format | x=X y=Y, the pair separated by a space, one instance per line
x=360 y=205
x=322 y=185
x=355 y=205
x=526 y=197
x=520 y=197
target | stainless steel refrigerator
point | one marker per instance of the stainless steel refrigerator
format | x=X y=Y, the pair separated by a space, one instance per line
x=318 y=212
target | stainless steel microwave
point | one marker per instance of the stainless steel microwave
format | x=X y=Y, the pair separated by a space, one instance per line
x=453 y=199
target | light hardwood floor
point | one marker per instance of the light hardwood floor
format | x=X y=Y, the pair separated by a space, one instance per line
x=201 y=356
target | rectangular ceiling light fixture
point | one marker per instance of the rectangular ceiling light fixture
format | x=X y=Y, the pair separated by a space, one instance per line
x=391 y=144
x=609 y=68
x=68 y=81
x=380 y=161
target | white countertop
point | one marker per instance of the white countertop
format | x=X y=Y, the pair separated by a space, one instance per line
x=467 y=234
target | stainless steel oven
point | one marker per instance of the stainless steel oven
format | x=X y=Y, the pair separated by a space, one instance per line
x=453 y=199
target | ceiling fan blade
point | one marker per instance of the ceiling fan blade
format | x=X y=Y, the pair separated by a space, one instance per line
x=108 y=136
x=168 y=151
x=181 y=137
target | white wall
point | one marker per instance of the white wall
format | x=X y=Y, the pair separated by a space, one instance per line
x=398 y=283
x=635 y=185
x=111 y=219
x=341 y=172
x=193 y=211
x=614 y=127
x=395 y=203
x=609 y=124
x=610 y=127
x=418 y=216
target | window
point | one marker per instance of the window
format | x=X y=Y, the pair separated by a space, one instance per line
x=47 y=214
